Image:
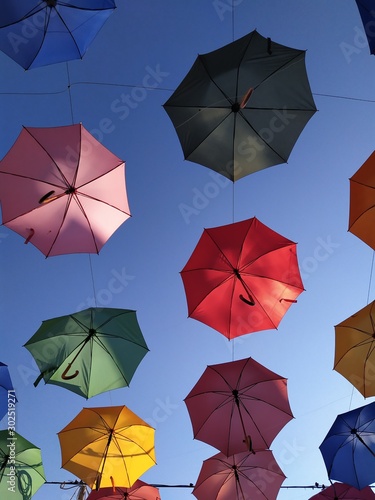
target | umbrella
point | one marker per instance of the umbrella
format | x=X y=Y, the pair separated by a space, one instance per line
x=89 y=352
x=348 y=449
x=139 y=491
x=366 y=11
x=62 y=190
x=341 y=491
x=242 y=107
x=21 y=469
x=241 y=278
x=241 y=476
x=238 y=406
x=362 y=202
x=354 y=349
x=42 y=32
x=7 y=393
x=108 y=446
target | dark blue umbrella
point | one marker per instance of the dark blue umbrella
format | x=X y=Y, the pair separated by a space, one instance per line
x=42 y=32
x=366 y=11
x=7 y=394
x=349 y=447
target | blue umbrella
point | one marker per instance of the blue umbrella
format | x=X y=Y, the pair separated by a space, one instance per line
x=366 y=11
x=7 y=394
x=349 y=447
x=42 y=32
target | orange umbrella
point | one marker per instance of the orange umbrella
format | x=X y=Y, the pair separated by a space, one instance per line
x=354 y=350
x=109 y=446
x=139 y=491
x=362 y=202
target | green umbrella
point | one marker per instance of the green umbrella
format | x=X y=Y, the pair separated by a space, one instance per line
x=89 y=352
x=21 y=469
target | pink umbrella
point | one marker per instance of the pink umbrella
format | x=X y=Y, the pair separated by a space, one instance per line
x=139 y=491
x=238 y=406
x=338 y=491
x=242 y=476
x=62 y=190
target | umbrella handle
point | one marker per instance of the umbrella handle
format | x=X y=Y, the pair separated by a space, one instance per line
x=248 y=302
x=31 y=234
x=68 y=377
x=288 y=300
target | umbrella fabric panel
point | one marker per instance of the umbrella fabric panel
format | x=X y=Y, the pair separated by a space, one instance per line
x=105 y=346
x=362 y=202
x=242 y=476
x=37 y=34
x=366 y=11
x=6 y=385
x=354 y=349
x=139 y=491
x=341 y=491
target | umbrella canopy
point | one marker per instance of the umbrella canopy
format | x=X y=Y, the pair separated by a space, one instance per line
x=241 y=278
x=62 y=190
x=366 y=11
x=139 y=491
x=108 y=446
x=89 y=352
x=241 y=476
x=341 y=491
x=7 y=393
x=362 y=202
x=242 y=107
x=42 y=32
x=355 y=349
x=238 y=406
x=348 y=449
x=21 y=469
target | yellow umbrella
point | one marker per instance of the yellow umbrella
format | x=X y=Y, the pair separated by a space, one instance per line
x=107 y=446
x=355 y=349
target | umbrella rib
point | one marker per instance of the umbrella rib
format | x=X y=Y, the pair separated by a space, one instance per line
x=31 y=12
x=63 y=178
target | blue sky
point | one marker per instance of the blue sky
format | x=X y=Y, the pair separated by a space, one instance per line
x=154 y=43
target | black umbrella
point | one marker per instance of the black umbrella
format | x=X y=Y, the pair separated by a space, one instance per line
x=241 y=108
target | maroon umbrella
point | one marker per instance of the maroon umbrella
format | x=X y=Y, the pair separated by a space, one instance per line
x=238 y=406
x=242 y=476
x=139 y=491
x=241 y=278
x=338 y=491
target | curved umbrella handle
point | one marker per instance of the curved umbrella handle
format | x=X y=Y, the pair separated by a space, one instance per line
x=31 y=234
x=68 y=377
x=288 y=300
x=248 y=302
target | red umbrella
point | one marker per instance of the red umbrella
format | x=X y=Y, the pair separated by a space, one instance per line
x=238 y=406
x=338 y=491
x=241 y=476
x=139 y=491
x=241 y=278
x=62 y=190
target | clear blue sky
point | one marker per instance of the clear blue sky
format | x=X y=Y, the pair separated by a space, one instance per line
x=306 y=200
